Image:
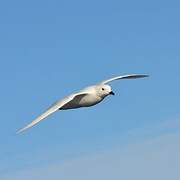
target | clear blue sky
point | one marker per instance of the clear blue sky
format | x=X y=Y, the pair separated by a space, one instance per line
x=49 y=49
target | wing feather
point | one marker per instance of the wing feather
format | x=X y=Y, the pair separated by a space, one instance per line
x=56 y=106
x=129 y=76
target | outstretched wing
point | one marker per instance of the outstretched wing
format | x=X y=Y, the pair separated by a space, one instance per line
x=129 y=76
x=56 y=106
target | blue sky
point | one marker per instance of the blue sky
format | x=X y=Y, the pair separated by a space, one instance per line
x=52 y=48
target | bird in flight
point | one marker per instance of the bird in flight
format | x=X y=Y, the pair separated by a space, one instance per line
x=86 y=97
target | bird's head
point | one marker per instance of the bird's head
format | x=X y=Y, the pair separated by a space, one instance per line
x=105 y=90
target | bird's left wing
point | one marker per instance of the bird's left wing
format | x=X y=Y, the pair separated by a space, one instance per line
x=129 y=76
x=56 y=106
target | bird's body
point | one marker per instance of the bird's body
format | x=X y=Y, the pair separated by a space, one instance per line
x=85 y=100
x=88 y=96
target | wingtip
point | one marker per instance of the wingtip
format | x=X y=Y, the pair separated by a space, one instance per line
x=21 y=130
x=141 y=75
x=137 y=76
x=145 y=75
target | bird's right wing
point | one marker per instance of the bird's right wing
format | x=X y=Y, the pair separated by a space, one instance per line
x=129 y=76
x=56 y=106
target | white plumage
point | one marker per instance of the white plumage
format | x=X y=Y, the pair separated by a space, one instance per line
x=87 y=97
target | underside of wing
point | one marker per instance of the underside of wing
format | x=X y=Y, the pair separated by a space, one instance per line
x=56 y=106
x=74 y=103
x=129 y=76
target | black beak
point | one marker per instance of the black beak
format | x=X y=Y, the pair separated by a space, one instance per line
x=112 y=93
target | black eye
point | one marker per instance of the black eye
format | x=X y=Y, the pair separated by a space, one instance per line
x=103 y=89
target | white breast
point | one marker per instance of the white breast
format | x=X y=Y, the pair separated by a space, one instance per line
x=89 y=100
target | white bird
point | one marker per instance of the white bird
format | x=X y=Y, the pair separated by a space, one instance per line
x=89 y=96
